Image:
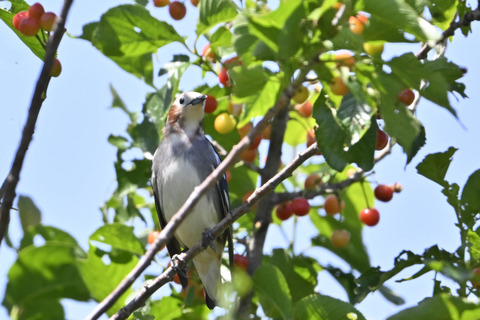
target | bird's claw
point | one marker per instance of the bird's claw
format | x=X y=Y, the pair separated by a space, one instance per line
x=182 y=274
x=207 y=239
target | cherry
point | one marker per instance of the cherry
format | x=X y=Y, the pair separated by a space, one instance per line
x=312 y=181
x=301 y=95
x=300 y=206
x=177 y=10
x=36 y=10
x=370 y=216
x=29 y=26
x=211 y=104
x=228 y=176
x=152 y=236
x=161 y=3
x=397 y=187
x=266 y=132
x=241 y=261
x=344 y=59
x=383 y=192
x=18 y=18
x=311 y=139
x=284 y=211
x=382 y=140
x=333 y=205
x=47 y=21
x=195 y=2
x=223 y=77
x=248 y=155
x=340 y=238
x=338 y=86
x=56 y=68
x=244 y=130
x=207 y=53
x=476 y=273
x=256 y=142
x=357 y=23
x=406 y=96
x=373 y=48
x=224 y=123
x=305 y=109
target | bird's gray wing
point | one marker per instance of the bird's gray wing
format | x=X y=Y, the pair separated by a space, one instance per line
x=173 y=246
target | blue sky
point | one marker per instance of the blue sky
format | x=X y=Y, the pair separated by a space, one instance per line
x=69 y=169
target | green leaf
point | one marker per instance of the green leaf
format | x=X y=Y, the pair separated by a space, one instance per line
x=300 y=272
x=470 y=199
x=50 y=235
x=43 y=276
x=119 y=237
x=128 y=34
x=354 y=116
x=168 y=308
x=442 y=11
x=273 y=292
x=247 y=81
x=119 y=142
x=434 y=166
x=439 y=307
x=400 y=15
x=213 y=12
x=297 y=129
x=30 y=215
x=320 y=307
x=31 y=42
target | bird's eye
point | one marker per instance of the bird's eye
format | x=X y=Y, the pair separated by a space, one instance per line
x=182 y=100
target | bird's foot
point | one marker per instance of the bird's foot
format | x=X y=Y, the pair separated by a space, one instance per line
x=182 y=272
x=208 y=239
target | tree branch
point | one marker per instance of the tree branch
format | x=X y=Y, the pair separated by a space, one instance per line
x=245 y=207
x=7 y=191
x=463 y=22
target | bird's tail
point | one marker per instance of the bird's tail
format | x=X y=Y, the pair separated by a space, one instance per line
x=208 y=264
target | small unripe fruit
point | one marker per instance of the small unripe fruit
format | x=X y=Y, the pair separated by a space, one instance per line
x=47 y=21
x=357 y=23
x=177 y=10
x=344 y=59
x=333 y=205
x=301 y=95
x=56 y=68
x=161 y=3
x=241 y=261
x=373 y=48
x=207 y=52
x=312 y=181
x=224 y=123
x=383 y=192
x=305 y=109
x=244 y=130
x=152 y=236
x=338 y=86
x=340 y=238
x=397 y=187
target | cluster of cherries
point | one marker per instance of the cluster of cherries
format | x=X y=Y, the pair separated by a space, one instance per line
x=30 y=22
x=177 y=9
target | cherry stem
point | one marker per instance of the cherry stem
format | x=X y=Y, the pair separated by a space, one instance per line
x=365 y=194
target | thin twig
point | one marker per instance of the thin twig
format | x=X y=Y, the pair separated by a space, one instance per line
x=463 y=22
x=8 y=190
x=167 y=275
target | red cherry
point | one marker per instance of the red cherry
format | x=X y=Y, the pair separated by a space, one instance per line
x=305 y=109
x=312 y=181
x=47 y=21
x=223 y=77
x=29 y=26
x=152 y=236
x=383 y=192
x=256 y=142
x=241 y=261
x=195 y=2
x=56 y=68
x=248 y=155
x=284 y=211
x=210 y=104
x=382 y=140
x=36 y=11
x=406 y=97
x=207 y=53
x=300 y=206
x=370 y=216
x=18 y=18
x=177 y=10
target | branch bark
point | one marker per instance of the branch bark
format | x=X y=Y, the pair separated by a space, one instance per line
x=8 y=189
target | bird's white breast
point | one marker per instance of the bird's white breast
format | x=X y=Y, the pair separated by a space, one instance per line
x=180 y=178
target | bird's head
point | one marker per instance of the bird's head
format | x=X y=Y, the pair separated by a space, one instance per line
x=186 y=113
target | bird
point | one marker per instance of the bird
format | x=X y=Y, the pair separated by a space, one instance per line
x=184 y=158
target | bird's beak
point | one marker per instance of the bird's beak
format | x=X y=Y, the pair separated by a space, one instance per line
x=198 y=100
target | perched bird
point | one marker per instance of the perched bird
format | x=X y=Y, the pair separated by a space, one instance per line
x=184 y=158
